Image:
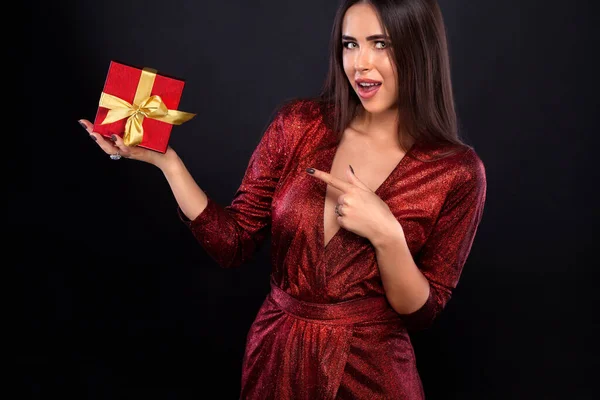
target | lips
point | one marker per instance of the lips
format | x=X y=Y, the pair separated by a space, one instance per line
x=367 y=88
x=366 y=80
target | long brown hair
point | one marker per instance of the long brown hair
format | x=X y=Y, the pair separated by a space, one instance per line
x=420 y=52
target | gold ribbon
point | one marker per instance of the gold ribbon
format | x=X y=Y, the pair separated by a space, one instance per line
x=144 y=106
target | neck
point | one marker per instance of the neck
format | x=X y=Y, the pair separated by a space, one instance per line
x=380 y=128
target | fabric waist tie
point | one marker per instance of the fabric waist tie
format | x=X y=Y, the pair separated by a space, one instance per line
x=343 y=313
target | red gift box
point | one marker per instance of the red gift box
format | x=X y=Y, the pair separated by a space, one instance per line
x=148 y=123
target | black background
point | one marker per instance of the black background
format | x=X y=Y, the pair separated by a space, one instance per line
x=115 y=299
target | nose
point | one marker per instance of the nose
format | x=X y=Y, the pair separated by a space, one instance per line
x=362 y=61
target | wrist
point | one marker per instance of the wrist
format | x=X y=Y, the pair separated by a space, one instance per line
x=168 y=161
x=390 y=235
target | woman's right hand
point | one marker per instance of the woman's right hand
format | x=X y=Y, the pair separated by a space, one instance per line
x=115 y=145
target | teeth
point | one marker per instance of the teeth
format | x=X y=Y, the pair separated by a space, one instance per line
x=369 y=84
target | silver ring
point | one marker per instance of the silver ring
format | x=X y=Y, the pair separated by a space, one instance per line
x=337 y=210
x=115 y=156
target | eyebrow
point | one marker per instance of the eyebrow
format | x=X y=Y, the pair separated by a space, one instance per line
x=369 y=38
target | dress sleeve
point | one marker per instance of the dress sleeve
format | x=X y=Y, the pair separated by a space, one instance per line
x=445 y=252
x=232 y=234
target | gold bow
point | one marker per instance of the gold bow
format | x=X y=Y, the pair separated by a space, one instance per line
x=143 y=106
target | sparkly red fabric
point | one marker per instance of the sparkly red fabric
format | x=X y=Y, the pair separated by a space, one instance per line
x=326 y=330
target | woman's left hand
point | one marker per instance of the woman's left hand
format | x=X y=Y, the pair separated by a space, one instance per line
x=362 y=211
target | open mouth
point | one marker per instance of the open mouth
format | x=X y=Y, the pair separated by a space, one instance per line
x=367 y=90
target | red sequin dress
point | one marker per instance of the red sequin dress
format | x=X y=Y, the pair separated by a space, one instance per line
x=326 y=330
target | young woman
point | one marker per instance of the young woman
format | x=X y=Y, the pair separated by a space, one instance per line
x=372 y=201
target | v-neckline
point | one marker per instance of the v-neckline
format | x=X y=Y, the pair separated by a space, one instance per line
x=330 y=161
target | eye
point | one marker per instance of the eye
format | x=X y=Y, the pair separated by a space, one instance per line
x=382 y=43
x=347 y=45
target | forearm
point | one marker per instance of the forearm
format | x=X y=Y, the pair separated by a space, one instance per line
x=190 y=198
x=405 y=286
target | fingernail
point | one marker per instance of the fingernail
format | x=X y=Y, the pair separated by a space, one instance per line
x=351 y=169
x=113 y=138
x=310 y=170
x=94 y=137
x=82 y=124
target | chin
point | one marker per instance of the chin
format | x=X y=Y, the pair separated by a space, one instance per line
x=374 y=108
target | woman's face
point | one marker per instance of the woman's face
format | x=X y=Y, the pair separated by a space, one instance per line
x=365 y=56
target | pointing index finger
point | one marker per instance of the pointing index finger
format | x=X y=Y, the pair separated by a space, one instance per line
x=331 y=180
